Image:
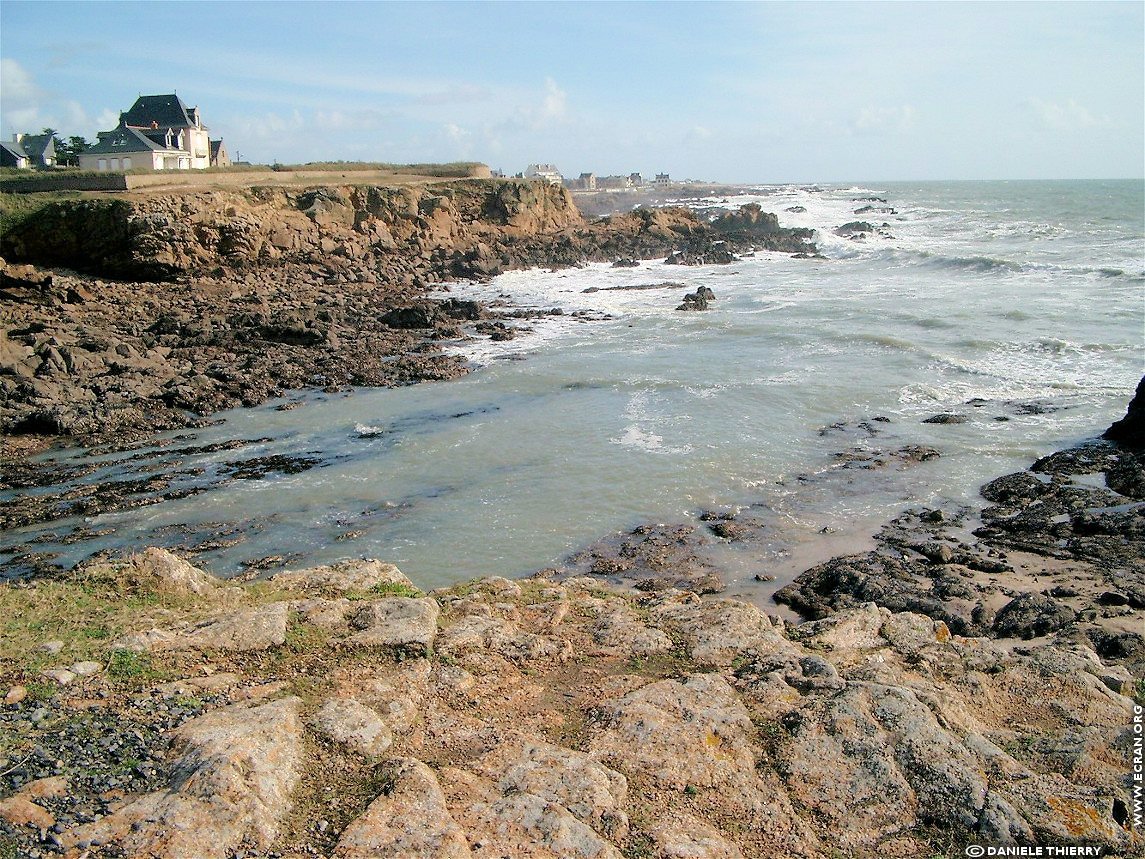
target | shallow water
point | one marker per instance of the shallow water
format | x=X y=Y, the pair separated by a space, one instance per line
x=1019 y=301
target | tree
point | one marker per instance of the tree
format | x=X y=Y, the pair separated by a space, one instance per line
x=68 y=154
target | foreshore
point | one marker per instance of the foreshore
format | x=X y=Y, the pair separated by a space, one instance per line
x=968 y=689
x=970 y=679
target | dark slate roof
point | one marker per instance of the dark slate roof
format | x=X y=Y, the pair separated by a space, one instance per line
x=165 y=111
x=36 y=145
x=124 y=140
x=11 y=153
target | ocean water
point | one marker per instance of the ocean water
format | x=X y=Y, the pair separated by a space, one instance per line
x=1018 y=305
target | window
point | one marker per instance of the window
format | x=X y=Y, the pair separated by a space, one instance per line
x=126 y=163
x=102 y=164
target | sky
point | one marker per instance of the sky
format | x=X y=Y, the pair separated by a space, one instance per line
x=737 y=92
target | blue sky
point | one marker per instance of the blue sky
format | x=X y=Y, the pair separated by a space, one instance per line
x=731 y=91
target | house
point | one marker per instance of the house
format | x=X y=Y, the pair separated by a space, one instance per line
x=27 y=151
x=613 y=183
x=635 y=180
x=547 y=172
x=662 y=179
x=159 y=132
x=219 y=156
x=584 y=182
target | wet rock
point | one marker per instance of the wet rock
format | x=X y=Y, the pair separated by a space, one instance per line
x=946 y=418
x=1030 y=615
x=1130 y=430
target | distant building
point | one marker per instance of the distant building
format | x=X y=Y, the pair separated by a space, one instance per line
x=219 y=156
x=613 y=183
x=584 y=182
x=28 y=151
x=662 y=179
x=159 y=132
x=547 y=172
x=635 y=180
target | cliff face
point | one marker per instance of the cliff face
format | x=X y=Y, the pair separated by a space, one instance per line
x=205 y=301
x=163 y=237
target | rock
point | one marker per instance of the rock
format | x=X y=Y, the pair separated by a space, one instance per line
x=1030 y=615
x=946 y=418
x=678 y=734
x=590 y=791
x=20 y=811
x=891 y=764
x=51 y=647
x=159 y=568
x=52 y=787
x=353 y=725
x=715 y=632
x=409 y=821
x=399 y=622
x=249 y=629
x=233 y=780
x=849 y=629
x=335 y=579
x=684 y=836
x=86 y=669
x=1130 y=430
x=527 y=824
x=623 y=631
x=61 y=675
x=697 y=300
x=16 y=694
x=854 y=229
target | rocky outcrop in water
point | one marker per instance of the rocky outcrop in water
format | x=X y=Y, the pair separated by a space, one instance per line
x=1130 y=430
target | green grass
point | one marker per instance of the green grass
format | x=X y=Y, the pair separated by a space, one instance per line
x=15 y=209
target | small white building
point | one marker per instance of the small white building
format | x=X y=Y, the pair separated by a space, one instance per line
x=662 y=179
x=547 y=172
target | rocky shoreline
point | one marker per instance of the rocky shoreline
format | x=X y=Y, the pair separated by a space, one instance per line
x=971 y=679
x=156 y=311
x=951 y=688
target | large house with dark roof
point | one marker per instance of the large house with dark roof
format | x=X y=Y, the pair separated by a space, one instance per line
x=159 y=133
x=26 y=151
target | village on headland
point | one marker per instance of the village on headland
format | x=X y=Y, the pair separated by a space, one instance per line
x=161 y=133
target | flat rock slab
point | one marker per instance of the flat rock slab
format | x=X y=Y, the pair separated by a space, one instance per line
x=339 y=578
x=409 y=821
x=352 y=724
x=402 y=622
x=231 y=785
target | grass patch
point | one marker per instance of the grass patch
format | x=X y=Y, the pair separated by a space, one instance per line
x=88 y=610
x=15 y=209
x=452 y=170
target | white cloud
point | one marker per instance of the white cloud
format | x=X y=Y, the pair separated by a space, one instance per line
x=20 y=91
x=1065 y=116
x=555 y=102
x=878 y=120
x=698 y=134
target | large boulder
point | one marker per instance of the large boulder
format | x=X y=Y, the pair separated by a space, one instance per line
x=1130 y=430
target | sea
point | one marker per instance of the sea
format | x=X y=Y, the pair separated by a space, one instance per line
x=1017 y=307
